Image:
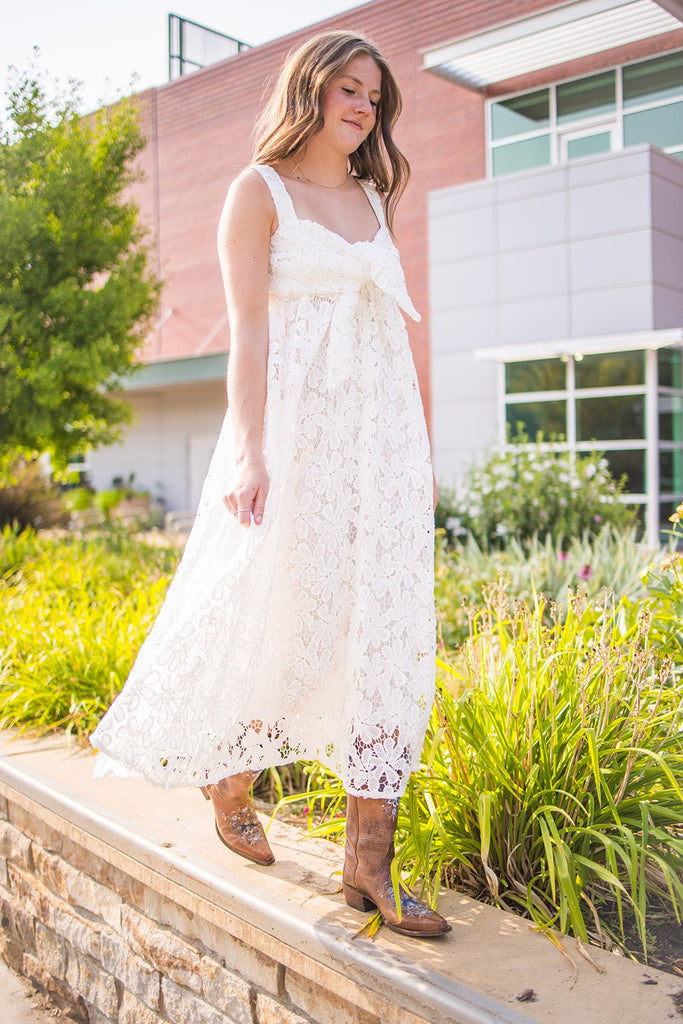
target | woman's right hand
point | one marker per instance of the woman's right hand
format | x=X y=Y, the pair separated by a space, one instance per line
x=249 y=490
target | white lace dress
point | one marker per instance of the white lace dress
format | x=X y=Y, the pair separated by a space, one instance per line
x=312 y=635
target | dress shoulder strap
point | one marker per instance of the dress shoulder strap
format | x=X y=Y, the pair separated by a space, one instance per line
x=375 y=201
x=281 y=197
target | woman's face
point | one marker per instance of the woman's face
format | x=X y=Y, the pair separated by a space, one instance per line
x=350 y=104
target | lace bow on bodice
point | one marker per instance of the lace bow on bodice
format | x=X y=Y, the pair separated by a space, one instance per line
x=313 y=258
x=363 y=280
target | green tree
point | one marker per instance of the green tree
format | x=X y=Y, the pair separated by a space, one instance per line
x=76 y=289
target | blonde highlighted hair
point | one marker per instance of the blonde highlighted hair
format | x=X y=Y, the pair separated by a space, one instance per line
x=293 y=115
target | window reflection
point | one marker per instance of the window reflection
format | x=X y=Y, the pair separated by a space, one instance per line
x=671 y=471
x=519 y=156
x=520 y=114
x=618 y=369
x=535 y=375
x=586 y=97
x=614 y=418
x=671 y=417
x=653 y=80
x=660 y=126
x=548 y=418
x=669 y=368
x=630 y=464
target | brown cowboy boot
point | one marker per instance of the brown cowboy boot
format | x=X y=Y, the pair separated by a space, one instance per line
x=237 y=826
x=366 y=880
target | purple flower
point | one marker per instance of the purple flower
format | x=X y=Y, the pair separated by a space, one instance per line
x=563 y=556
x=585 y=572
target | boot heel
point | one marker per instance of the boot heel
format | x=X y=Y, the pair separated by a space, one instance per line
x=357 y=899
x=205 y=792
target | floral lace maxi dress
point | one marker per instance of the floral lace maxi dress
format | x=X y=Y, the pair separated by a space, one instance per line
x=312 y=635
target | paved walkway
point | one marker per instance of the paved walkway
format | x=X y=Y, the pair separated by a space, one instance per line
x=20 y=1003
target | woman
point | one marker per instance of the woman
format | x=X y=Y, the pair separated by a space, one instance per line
x=300 y=623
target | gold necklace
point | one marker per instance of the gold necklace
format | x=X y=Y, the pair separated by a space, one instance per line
x=319 y=183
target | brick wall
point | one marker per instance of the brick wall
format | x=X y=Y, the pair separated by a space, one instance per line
x=200 y=129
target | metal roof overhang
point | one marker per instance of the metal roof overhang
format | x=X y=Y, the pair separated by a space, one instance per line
x=598 y=344
x=542 y=40
x=169 y=372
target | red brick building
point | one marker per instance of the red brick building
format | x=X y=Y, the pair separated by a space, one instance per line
x=448 y=58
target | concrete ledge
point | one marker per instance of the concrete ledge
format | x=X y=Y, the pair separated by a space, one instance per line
x=88 y=890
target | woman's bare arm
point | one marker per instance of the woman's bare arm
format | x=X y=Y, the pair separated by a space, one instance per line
x=244 y=231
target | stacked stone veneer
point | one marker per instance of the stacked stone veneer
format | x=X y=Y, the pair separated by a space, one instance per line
x=109 y=948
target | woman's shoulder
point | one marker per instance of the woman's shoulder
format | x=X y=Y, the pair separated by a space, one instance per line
x=250 y=184
x=249 y=200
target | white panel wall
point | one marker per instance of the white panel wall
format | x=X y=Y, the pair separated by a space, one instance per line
x=161 y=445
x=588 y=248
x=667 y=239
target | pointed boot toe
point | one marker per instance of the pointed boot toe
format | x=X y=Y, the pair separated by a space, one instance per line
x=237 y=824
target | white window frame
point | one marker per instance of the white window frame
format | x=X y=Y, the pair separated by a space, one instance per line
x=556 y=131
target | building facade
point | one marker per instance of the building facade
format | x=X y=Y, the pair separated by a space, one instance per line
x=542 y=234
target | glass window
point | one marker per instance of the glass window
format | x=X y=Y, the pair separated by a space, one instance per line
x=586 y=97
x=630 y=464
x=671 y=471
x=586 y=145
x=520 y=114
x=618 y=369
x=519 y=156
x=617 y=418
x=547 y=418
x=653 y=80
x=535 y=375
x=670 y=418
x=655 y=85
x=669 y=367
x=660 y=126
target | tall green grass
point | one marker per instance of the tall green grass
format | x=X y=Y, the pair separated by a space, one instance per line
x=554 y=785
x=75 y=612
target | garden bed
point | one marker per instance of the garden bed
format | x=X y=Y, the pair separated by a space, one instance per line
x=552 y=771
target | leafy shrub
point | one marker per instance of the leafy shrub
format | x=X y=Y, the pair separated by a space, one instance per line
x=528 y=490
x=27 y=495
x=664 y=583
x=75 y=613
x=553 y=785
x=105 y=501
x=77 y=499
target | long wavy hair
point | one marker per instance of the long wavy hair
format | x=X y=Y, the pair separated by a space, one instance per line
x=293 y=115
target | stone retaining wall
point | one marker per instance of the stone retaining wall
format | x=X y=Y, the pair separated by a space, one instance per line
x=109 y=949
x=118 y=902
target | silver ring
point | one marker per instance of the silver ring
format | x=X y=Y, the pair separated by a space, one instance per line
x=244 y=509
